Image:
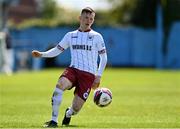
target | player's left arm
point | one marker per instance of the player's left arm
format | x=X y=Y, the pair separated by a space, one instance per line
x=102 y=65
x=103 y=61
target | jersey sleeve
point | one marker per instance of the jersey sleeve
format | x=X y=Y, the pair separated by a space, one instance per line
x=100 y=44
x=64 y=43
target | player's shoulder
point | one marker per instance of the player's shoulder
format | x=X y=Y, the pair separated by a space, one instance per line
x=95 y=32
x=73 y=32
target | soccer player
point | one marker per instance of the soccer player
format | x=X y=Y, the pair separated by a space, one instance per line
x=83 y=73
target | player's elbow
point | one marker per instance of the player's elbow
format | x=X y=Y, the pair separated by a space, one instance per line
x=105 y=59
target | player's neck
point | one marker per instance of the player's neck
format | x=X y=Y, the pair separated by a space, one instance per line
x=84 y=29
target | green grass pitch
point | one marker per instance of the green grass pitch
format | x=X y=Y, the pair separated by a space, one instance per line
x=142 y=98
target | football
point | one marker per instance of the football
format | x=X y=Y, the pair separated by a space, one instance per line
x=102 y=97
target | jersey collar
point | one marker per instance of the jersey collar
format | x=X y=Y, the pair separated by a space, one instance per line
x=85 y=30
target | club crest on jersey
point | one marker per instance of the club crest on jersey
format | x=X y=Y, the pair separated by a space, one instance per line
x=90 y=37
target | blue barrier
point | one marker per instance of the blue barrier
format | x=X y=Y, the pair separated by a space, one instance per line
x=143 y=47
x=125 y=46
x=173 y=55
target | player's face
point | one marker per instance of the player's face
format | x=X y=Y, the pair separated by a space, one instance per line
x=86 y=20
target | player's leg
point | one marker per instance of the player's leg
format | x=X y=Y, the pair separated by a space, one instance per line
x=77 y=104
x=62 y=85
x=82 y=91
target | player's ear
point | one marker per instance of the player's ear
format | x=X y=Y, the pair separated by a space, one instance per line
x=79 y=18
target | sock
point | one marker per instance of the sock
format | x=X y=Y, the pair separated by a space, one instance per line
x=56 y=101
x=70 y=112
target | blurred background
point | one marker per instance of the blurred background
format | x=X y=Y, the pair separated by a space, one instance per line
x=137 y=33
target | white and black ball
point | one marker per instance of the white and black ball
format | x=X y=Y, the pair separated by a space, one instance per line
x=102 y=97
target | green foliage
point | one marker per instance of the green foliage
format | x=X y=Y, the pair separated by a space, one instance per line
x=105 y=18
x=123 y=12
x=143 y=12
x=51 y=16
x=54 y=16
x=134 y=12
x=63 y=18
x=49 y=9
x=171 y=11
x=142 y=98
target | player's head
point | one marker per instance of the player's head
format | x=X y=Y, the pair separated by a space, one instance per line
x=87 y=17
x=87 y=10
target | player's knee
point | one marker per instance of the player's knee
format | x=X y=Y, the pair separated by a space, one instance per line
x=63 y=84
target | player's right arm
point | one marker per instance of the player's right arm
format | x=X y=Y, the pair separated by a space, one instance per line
x=64 y=44
x=36 y=54
x=50 y=53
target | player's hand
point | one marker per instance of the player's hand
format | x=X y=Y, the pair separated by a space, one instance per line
x=36 y=53
x=96 y=82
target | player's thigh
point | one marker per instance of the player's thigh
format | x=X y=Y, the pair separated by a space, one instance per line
x=77 y=103
x=64 y=83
